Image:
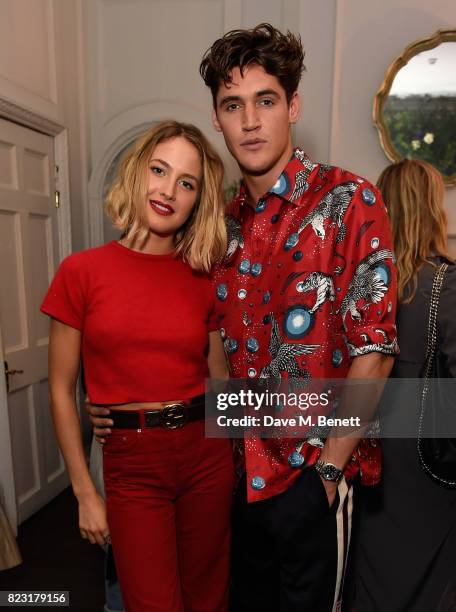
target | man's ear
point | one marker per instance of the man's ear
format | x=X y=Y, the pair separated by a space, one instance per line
x=215 y=121
x=294 y=108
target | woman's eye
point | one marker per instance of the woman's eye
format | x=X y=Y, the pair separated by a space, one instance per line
x=187 y=185
x=156 y=170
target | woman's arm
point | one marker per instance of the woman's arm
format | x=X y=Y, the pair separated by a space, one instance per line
x=216 y=359
x=64 y=359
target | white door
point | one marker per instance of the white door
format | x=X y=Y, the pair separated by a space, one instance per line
x=28 y=258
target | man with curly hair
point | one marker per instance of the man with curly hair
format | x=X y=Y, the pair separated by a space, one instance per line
x=308 y=291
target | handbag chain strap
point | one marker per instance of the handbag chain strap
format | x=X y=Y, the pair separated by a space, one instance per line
x=430 y=361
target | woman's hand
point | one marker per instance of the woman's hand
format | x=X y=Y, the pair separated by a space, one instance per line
x=93 y=524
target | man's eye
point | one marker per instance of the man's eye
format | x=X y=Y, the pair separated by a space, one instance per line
x=157 y=170
x=267 y=102
x=232 y=107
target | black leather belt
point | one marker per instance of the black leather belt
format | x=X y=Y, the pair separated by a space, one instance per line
x=172 y=416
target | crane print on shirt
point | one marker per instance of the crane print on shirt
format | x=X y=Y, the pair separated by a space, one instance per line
x=283 y=357
x=369 y=283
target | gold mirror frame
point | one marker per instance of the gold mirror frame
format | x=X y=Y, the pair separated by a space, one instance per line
x=425 y=44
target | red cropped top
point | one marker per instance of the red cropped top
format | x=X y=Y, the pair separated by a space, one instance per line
x=144 y=321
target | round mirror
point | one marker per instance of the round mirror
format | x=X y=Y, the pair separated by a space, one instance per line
x=415 y=108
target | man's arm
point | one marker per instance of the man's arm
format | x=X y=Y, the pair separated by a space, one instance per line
x=339 y=449
x=216 y=359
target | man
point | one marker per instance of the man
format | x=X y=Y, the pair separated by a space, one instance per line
x=307 y=291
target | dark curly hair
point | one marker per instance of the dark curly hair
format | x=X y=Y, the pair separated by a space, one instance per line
x=279 y=54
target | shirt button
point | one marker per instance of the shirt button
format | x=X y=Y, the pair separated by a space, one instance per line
x=295 y=459
x=257 y=483
x=260 y=206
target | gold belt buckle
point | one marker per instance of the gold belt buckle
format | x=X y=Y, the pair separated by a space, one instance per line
x=174 y=416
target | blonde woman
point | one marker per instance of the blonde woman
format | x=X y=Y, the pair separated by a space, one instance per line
x=406 y=553
x=140 y=311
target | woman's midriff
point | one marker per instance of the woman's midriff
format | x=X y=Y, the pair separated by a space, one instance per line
x=143 y=405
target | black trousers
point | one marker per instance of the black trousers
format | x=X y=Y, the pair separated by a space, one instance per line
x=289 y=551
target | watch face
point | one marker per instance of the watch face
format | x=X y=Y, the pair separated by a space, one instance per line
x=330 y=472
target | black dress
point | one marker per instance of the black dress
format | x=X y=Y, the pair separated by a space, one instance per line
x=405 y=545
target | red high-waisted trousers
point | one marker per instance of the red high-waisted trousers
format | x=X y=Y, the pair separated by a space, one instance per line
x=169 y=496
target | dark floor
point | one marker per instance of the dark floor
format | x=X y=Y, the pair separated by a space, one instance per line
x=55 y=557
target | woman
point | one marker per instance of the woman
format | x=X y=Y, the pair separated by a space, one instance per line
x=141 y=312
x=406 y=547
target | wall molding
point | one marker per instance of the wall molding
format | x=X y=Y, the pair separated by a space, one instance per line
x=52 y=64
x=19 y=114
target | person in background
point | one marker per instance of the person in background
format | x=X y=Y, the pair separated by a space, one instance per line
x=405 y=548
x=141 y=311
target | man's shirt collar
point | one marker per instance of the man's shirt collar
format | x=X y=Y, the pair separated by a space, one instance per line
x=292 y=183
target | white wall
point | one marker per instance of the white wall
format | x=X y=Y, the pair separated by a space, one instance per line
x=108 y=68
x=42 y=71
x=144 y=58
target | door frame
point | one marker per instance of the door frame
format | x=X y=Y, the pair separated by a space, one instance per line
x=17 y=114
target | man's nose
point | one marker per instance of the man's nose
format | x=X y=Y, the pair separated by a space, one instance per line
x=251 y=120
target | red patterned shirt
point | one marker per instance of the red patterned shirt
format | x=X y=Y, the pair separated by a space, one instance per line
x=309 y=284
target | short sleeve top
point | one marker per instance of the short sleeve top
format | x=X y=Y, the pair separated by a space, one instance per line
x=144 y=321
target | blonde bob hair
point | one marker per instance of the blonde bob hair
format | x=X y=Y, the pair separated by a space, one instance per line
x=413 y=191
x=201 y=241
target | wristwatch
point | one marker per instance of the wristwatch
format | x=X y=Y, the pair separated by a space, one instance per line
x=328 y=471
